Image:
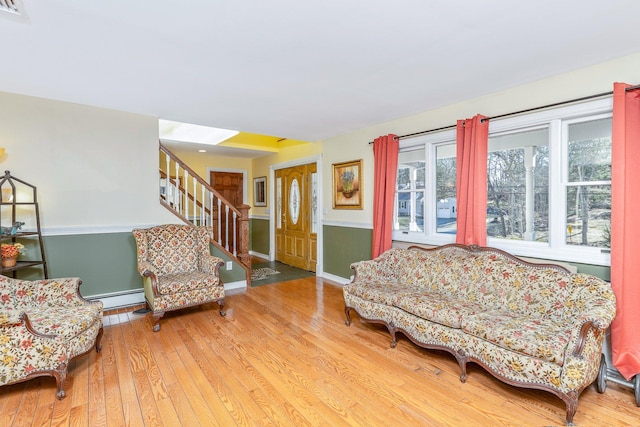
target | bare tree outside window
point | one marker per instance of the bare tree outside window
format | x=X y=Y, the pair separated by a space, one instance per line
x=518 y=186
x=588 y=193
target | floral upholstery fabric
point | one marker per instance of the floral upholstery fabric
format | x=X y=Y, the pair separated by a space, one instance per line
x=66 y=326
x=542 y=338
x=380 y=292
x=522 y=322
x=177 y=267
x=64 y=322
x=183 y=282
x=443 y=309
x=186 y=299
x=172 y=248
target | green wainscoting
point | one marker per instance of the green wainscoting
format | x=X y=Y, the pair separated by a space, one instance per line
x=236 y=274
x=601 y=271
x=344 y=245
x=260 y=235
x=106 y=263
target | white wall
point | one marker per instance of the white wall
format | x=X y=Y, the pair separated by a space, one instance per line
x=95 y=169
x=352 y=146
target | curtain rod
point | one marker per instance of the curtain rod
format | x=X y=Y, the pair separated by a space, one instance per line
x=528 y=110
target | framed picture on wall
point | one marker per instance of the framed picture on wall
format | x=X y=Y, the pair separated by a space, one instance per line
x=347 y=185
x=260 y=191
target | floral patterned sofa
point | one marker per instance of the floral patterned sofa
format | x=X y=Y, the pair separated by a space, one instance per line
x=44 y=324
x=530 y=325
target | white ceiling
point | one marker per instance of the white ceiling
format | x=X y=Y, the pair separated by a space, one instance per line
x=300 y=69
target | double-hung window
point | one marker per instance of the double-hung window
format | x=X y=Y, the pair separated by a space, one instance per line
x=548 y=185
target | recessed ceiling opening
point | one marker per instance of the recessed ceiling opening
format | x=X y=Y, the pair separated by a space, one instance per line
x=11 y=6
x=186 y=132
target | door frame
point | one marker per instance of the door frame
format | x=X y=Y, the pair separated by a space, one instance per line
x=244 y=179
x=317 y=159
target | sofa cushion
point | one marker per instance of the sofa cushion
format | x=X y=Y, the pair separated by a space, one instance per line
x=182 y=282
x=379 y=292
x=68 y=322
x=442 y=309
x=542 y=338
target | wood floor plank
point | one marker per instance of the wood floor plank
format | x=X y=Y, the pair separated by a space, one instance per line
x=28 y=404
x=112 y=396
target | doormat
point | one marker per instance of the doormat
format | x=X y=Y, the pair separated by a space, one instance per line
x=262 y=273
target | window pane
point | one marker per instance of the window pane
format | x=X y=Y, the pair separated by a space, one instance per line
x=518 y=186
x=446 y=211
x=590 y=151
x=411 y=184
x=410 y=216
x=589 y=215
x=411 y=170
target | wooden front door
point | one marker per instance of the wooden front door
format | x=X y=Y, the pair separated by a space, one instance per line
x=230 y=186
x=296 y=216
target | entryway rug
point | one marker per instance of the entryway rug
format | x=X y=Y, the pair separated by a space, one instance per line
x=262 y=273
x=283 y=273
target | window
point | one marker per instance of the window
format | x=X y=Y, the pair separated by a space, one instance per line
x=588 y=183
x=409 y=214
x=518 y=186
x=548 y=185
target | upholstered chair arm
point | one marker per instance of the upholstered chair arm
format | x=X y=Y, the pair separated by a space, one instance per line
x=591 y=306
x=145 y=267
x=364 y=270
x=211 y=264
x=10 y=317
x=59 y=292
x=388 y=266
x=25 y=351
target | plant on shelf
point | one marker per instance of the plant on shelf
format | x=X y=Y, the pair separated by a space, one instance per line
x=10 y=253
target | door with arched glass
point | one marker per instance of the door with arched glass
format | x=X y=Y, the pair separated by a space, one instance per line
x=296 y=216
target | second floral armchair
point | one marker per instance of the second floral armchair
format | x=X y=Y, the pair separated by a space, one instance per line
x=178 y=269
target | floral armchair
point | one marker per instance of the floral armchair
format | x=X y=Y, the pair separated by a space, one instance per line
x=45 y=324
x=178 y=269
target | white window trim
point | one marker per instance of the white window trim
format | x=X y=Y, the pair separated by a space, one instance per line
x=557 y=120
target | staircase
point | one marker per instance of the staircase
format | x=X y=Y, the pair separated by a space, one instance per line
x=195 y=202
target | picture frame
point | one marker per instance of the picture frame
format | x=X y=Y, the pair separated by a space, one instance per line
x=260 y=191
x=347 y=185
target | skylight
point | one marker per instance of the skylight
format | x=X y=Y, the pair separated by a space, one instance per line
x=10 y=6
x=185 y=132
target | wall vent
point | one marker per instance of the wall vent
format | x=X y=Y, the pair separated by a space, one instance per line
x=11 y=6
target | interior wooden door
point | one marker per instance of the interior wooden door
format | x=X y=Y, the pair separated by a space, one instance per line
x=230 y=185
x=296 y=216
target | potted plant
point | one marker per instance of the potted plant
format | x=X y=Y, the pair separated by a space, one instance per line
x=10 y=253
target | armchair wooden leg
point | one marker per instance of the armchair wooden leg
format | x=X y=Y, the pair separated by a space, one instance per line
x=60 y=374
x=156 y=317
x=99 y=340
x=221 y=304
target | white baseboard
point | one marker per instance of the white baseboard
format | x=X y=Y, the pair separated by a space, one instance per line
x=240 y=284
x=340 y=280
x=119 y=299
x=129 y=298
x=259 y=255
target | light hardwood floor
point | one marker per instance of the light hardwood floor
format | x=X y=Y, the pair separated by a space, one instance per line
x=283 y=356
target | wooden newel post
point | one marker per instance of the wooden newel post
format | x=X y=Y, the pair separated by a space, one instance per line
x=243 y=244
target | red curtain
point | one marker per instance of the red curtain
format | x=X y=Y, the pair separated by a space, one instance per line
x=472 y=141
x=385 y=154
x=625 y=229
